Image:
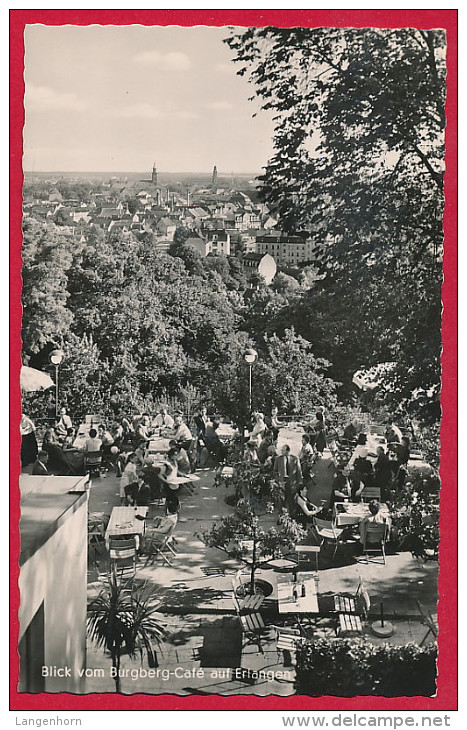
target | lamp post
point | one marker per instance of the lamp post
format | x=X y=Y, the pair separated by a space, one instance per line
x=56 y=358
x=250 y=356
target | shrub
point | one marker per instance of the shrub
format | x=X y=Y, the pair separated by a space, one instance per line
x=351 y=667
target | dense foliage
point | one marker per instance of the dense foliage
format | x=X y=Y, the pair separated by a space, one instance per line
x=358 y=162
x=353 y=667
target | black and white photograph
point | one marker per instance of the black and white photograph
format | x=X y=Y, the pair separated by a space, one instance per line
x=232 y=263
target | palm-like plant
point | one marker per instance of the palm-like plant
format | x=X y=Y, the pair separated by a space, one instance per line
x=122 y=621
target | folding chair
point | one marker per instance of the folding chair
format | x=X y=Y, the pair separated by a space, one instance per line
x=327 y=532
x=251 y=602
x=371 y=493
x=247 y=608
x=374 y=539
x=156 y=545
x=93 y=462
x=429 y=621
x=304 y=553
x=288 y=640
x=122 y=553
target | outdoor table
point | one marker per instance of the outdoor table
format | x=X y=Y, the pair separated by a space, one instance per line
x=158 y=445
x=350 y=513
x=123 y=523
x=302 y=604
x=226 y=432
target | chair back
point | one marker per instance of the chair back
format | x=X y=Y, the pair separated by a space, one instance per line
x=371 y=493
x=122 y=549
x=375 y=533
x=93 y=458
x=321 y=524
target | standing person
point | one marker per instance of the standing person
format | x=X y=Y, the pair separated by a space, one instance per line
x=63 y=424
x=320 y=433
x=259 y=429
x=273 y=423
x=382 y=469
x=289 y=474
x=29 y=446
x=201 y=421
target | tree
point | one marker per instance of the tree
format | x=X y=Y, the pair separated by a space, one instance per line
x=243 y=526
x=358 y=162
x=46 y=263
x=415 y=511
x=120 y=621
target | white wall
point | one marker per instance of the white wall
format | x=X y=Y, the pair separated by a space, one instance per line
x=57 y=575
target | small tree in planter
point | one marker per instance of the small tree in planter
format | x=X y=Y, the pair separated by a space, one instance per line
x=126 y=622
x=415 y=515
x=231 y=534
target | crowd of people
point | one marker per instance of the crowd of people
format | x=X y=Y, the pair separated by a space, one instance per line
x=123 y=446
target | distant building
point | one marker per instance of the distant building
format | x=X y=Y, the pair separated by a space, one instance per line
x=290 y=250
x=262 y=264
x=52 y=582
x=214 y=177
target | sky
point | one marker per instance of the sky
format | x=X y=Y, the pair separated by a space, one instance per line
x=110 y=98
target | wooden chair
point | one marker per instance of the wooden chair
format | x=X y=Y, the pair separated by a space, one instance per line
x=123 y=556
x=156 y=545
x=327 y=532
x=304 y=553
x=374 y=540
x=371 y=493
x=352 y=624
x=247 y=609
x=429 y=621
x=93 y=462
x=288 y=640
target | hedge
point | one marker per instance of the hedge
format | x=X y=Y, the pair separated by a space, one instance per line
x=351 y=667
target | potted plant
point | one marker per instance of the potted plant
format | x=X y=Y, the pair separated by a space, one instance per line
x=241 y=535
x=125 y=622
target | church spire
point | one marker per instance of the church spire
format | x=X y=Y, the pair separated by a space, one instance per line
x=154 y=174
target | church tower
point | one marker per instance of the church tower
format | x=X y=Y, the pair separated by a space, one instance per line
x=214 y=176
x=154 y=174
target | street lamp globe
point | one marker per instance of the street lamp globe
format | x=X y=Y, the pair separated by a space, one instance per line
x=250 y=356
x=56 y=357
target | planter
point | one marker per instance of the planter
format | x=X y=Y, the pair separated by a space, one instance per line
x=261 y=586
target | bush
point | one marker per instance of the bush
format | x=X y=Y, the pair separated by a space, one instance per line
x=351 y=667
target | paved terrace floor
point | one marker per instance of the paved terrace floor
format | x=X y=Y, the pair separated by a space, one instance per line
x=196 y=591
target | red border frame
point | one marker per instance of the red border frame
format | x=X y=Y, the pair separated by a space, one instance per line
x=446 y=698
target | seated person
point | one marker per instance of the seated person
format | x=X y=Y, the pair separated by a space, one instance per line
x=399 y=475
x=341 y=488
x=357 y=485
x=117 y=433
x=305 y=510
x=69 y=440
x=213 y=443
x=181 y=457
x=375 y=517
x=143 y=431
x=40 y=465
x=163 y=419
x=382 y=469
x=351 y=431
x=182 y=433
x=393 y=433
x=250 y=454
x=129 y=476
x=264 y=449
x=93 y=443
x=57 y=457
x=360 y=449
x=364 y=468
